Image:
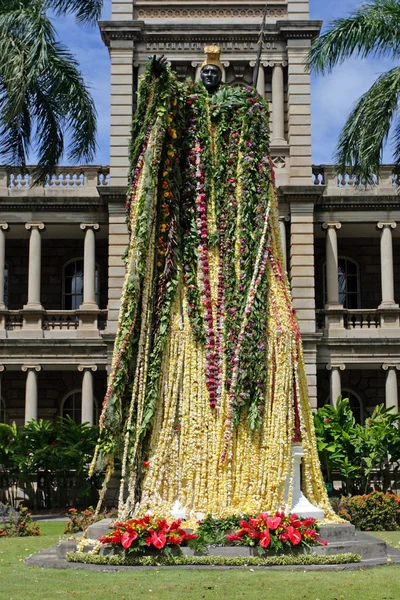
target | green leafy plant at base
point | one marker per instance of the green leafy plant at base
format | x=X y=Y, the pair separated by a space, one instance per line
x=21 y=525
x=213 y=531
x=372 y=512
x=49 y=462
x=220 y=561
x=357 y=452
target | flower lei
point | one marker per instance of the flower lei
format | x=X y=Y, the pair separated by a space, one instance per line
x=208 y=389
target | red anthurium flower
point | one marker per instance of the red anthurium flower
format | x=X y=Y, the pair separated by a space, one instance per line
x=280 y=514
x=295 y=521
x=128 y=538
x=157 y=539
x=254 y=534
x=311 y=533
x=308 y=522
x=175 y=539
x=244 y=525
x=233 y=537
x=163 y=526
x=265 y=539
x=274 y=523
x=294 y=535
x=174 y=525
x=190 y=536
x=284 y=536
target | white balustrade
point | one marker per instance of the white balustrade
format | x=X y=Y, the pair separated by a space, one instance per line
x=65 y=178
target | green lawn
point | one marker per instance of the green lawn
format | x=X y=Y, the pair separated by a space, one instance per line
x=392 y=538
x=18 y=582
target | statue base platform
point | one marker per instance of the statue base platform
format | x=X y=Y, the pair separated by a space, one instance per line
x=342 y=538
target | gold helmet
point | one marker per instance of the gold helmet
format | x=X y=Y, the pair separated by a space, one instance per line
x=213 y=57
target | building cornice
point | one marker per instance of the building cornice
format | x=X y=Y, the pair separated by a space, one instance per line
x=354 y=202
x=202 y=32
x=300 y=193
x=113 y=193
x=47 y=203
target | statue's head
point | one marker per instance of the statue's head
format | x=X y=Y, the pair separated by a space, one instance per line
x=211 y=70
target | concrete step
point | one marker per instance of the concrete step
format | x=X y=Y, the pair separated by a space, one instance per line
x=343 y=532
x=370 y=549
x=99 y=529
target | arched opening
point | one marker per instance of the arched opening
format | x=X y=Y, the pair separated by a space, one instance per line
x=3 y=415
x=72 y=291
x=356 y=405
x=71 y=406
x=6 y=280
x=349 y=283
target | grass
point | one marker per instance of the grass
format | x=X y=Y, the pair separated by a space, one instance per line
x=18 y=582
x=392 y=538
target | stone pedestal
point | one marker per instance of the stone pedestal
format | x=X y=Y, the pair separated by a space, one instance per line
x=300 y=505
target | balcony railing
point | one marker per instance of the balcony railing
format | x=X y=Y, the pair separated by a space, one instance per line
x=349 y=182
x=14 y=181
x=53 y=321
x=364 y=322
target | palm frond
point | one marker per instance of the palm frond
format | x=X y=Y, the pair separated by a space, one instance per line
x=41 y=89
x=85 y=11
x=372 y=29
x=49 y=133
x=368 y=126
x=76 y=102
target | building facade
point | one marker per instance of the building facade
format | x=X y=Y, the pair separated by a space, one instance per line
x=61 y=270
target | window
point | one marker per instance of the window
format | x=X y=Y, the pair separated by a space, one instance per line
x=6 y=273
x=356 y=405
x=349 y=283
x=71 y=406
x=2 y=411
x=73 y=284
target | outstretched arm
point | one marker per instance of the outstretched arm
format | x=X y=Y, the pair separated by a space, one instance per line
x=158 y=64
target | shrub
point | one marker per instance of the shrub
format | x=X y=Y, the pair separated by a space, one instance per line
x=80 y=521
x=49 y=462
x=372 y=512
x=223 y=561
x=19 y=525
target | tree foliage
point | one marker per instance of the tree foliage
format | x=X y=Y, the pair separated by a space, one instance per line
x=355 y=452
x=58 y=454
x=371 y=30
x=43 y=96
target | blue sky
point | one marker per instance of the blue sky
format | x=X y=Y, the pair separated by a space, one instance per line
x=332 y=96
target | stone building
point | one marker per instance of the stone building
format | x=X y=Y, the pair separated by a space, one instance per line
x=60 y=246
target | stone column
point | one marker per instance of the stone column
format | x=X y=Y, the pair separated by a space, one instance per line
x=197 y=66
x=3 y=228
x=31 y=391
x=122 y=97
x=282 y=228
x=335 y=384
x=387 y=278
x=332 y=265
x=89 y=267
x=391 y=387
x=35 y=264
x=278 y=106
x=87 y=392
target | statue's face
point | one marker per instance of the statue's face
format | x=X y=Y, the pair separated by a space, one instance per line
x=211 y=76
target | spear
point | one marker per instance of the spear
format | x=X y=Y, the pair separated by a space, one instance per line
x=260 y=48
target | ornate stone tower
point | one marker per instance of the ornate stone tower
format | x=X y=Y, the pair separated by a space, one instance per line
x=180 y=29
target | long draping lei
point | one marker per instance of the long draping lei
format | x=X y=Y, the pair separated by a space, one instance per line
x=208 y=390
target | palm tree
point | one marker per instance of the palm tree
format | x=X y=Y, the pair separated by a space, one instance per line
x=43 y=96
x=371 y=30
